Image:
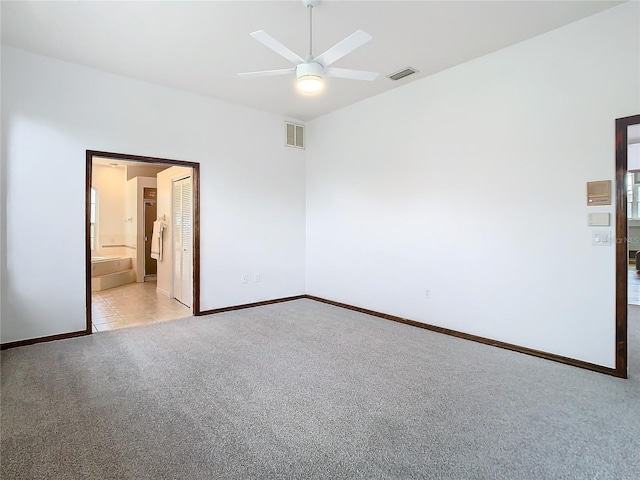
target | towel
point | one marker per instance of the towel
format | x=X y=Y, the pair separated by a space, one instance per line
x=156 y=239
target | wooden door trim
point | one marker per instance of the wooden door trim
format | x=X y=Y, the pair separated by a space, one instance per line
x=622 y=253
x=196 y=220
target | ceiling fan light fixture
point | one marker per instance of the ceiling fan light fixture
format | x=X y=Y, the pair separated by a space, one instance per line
x=309 y=76
x=310 y=84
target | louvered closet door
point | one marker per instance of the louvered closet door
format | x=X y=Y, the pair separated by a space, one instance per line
x=182 y=241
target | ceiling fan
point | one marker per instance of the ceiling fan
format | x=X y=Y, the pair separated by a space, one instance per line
x=311 y=70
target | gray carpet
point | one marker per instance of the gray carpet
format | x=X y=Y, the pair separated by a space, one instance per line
x=304 y=390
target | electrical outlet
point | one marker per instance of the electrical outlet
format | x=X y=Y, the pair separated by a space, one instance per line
x=256 y=278
x=243 y=278
x=427 y=293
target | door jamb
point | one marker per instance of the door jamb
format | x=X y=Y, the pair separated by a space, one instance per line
x=622 y=253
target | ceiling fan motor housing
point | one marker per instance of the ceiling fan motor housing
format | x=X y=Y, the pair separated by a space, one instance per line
x=309 y=68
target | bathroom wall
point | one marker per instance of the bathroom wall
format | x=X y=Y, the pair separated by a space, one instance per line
x=111 y=226
x=131 y=219
x=120 y=211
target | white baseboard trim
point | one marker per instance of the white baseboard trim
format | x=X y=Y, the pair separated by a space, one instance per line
x=163 y=292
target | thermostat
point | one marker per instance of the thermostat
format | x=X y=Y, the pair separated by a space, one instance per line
x=599 y=193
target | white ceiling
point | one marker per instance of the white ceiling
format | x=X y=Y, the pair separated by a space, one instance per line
x=200 y=46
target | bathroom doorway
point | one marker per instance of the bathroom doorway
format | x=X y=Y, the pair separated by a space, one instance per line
x=131 y=273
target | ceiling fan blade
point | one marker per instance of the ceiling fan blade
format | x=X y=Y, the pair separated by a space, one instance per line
x=267 y=73
x=268 y=41
x=340 y=49
x=352 y=74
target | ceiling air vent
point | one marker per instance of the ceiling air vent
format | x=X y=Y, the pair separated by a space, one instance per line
x=294 y=135
x=405 y=72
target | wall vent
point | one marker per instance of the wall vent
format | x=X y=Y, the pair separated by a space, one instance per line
x=405 y=72
x=294 y=135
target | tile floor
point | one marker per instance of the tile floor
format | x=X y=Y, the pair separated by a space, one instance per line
x=133 y=304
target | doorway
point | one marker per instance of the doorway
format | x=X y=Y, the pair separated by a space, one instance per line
x=150 y=216
x=627 y=134
x=137 y=235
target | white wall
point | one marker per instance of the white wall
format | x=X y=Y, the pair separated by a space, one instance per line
x=131 y=221
x=501 y=147
x=252 y=200
x=165 y=192
x=471 y=183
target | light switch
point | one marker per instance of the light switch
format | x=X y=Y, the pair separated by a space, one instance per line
x=601 y=238
x=602 y=219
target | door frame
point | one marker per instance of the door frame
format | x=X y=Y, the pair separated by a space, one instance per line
x=622 y=250
x=195 y=167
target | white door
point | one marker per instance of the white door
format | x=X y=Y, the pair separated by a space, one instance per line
x=182 y=241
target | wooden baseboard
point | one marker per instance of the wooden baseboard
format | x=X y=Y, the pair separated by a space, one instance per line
x=475 y=338
x=249 y=305
x=446 y=331
x=50 y=338
x=61 y=336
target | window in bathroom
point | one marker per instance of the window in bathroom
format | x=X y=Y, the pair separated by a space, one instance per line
x=92 y=219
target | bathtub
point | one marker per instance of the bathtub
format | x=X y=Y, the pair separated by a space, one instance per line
x=109 y=272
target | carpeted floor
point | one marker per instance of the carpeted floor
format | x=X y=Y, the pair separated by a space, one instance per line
x=304 y=390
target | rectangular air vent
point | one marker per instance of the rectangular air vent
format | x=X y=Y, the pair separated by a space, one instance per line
x=294 y=135
x=405 y=72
